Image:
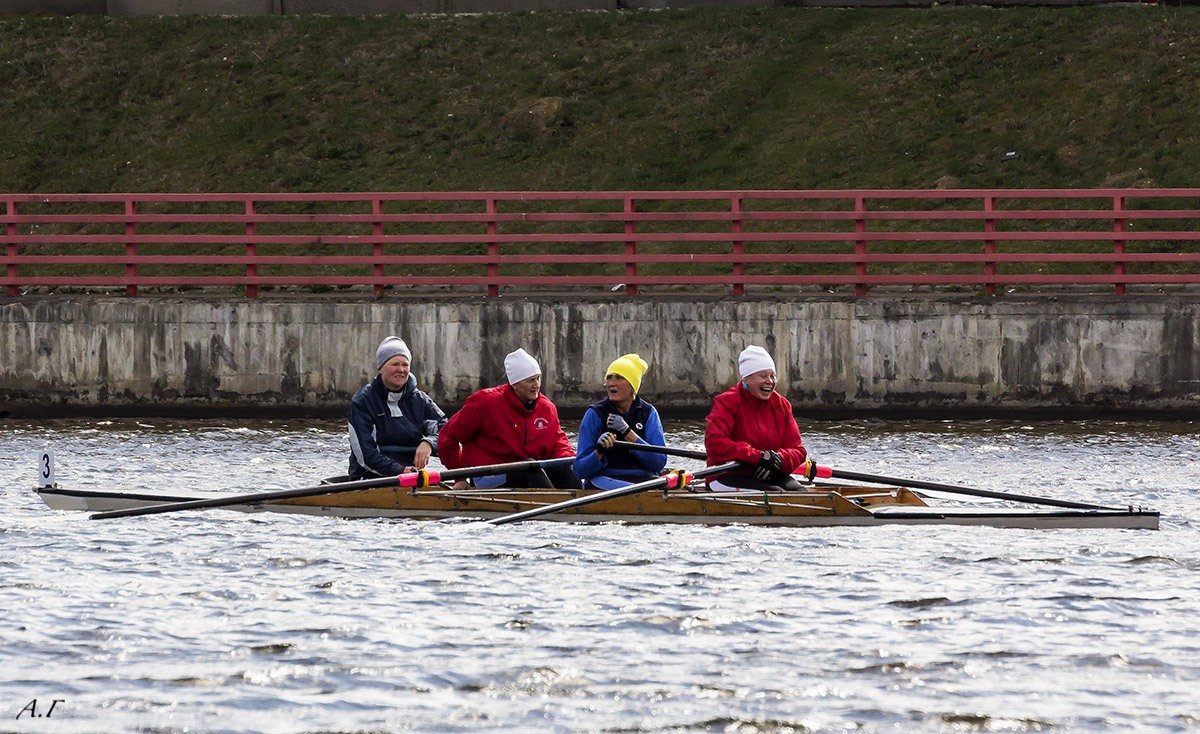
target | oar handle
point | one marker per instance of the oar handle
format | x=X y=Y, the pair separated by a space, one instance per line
x=428 y=477
x=655 y=449
x=423 y=478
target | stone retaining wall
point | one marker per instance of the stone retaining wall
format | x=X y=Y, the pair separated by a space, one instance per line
x=924 y=356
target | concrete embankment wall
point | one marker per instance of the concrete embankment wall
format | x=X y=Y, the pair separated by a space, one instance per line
x=922 y=356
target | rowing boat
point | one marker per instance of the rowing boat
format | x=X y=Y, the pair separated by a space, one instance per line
x=825 y=505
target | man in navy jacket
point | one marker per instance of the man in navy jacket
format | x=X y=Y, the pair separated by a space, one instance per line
x=393 y=425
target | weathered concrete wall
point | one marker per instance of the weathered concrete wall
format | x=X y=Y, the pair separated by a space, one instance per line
x=923 y=355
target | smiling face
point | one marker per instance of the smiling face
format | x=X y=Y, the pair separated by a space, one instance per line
x=394 y=372
x=619 y=391
x=761 y=384
x=528 y=388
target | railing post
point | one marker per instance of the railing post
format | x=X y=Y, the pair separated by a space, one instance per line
x=738 y=248
x=860 y=246
x=1119 y=245
x=377 y=246
x=631 y=289
x=251 y=250
x=493 y=251
x=989 y=245
x=130 y=247
x=12 y=250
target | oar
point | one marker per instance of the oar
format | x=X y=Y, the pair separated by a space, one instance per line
x=423 y=478
x=878 y=479
x=672 y=480
x=668 y=450
x=817 y=471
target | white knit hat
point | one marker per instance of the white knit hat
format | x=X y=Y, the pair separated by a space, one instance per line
x=392 y=346
x=519 y=365
x=754 y=359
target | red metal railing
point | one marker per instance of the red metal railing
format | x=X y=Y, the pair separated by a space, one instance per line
x=636 y=241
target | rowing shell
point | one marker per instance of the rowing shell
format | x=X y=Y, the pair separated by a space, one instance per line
x=828 y=506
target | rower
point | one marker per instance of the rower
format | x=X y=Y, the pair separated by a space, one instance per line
x=393 y=425
x=621 y=416
x=510 y=422
x=752 y=423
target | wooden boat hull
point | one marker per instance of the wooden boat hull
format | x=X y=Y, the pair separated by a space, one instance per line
x=830 y=506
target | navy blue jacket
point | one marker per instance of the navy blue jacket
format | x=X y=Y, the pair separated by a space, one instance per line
x=386 y=427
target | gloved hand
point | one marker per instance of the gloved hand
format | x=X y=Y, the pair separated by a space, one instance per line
x=770 y=466
x=810 y=469
x=606 y=441
x=617 y=425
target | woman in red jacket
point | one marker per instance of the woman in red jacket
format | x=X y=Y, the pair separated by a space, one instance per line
x=510 y=422
x=753 y=424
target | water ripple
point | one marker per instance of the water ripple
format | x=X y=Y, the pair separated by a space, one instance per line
x=221 y=621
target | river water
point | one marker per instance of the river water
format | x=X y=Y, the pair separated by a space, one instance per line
x=221 y=621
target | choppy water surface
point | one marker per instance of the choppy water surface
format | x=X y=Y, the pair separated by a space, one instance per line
x=222 y=621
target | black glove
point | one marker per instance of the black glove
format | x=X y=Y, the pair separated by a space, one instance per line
x=617 y=425
x=770 y=466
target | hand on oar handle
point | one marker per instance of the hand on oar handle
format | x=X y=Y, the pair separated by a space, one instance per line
x=770 y=467
x=606 y=442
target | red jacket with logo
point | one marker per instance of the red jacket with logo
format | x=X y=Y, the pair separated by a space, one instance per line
x=741 y=427
x=495 y=427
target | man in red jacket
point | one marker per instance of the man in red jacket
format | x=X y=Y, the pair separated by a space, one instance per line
x=753 y=424
x=510 y=422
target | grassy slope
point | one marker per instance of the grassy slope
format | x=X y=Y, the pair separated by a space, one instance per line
x=771 y=98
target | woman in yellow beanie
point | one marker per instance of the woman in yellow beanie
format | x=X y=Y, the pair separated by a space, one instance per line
x=620 y=416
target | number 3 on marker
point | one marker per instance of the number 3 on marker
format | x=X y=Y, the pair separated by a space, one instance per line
x=46 y=469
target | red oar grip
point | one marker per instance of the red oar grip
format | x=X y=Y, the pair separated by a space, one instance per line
x=422 y=478
x=677 y=479
x=824 y=472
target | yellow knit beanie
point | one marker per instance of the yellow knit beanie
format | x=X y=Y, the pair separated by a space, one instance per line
x=631 y=367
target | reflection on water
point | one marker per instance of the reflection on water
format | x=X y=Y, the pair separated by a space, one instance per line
x=221 y=621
